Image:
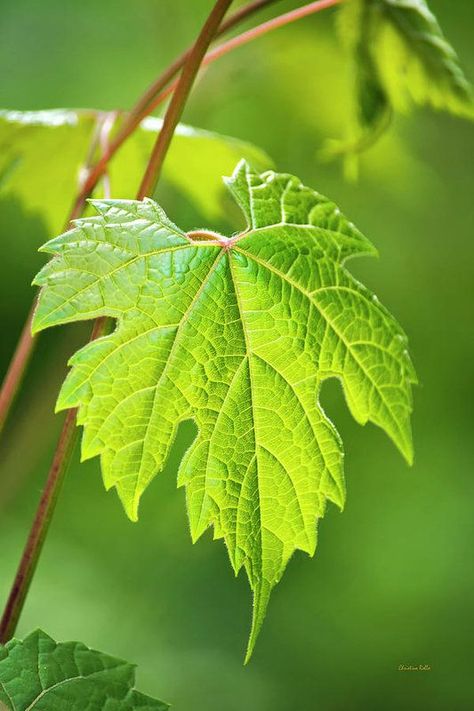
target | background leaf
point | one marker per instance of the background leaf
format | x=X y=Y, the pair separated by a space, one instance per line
x=399 y=55
x=59 y=139
x=237 y=334
x=39 y=673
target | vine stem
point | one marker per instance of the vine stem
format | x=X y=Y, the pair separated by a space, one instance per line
x=180 y=95
x=159 y=91
x=42 y=520
x=177 y=87
x=17 y=367
x=178 y=63
x=61 y=458
x=273 y=24
x=143 y=107
x=239 y=41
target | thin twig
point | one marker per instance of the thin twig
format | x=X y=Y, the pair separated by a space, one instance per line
x=60 y=463
x=17 y=368
x=211 y=56
x=39 y=528
x=239 y=41
x=42 y=520
x=171 y=71
x=269 y=26
x=180 y=96
x=150 y=99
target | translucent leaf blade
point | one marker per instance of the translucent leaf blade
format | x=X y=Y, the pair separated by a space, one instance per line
x=237 y=334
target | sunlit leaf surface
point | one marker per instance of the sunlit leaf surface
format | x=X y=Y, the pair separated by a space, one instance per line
x=238 y=334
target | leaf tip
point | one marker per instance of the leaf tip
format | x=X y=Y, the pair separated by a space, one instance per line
x=409 y=454
x=37 y=324
x=241 y=167
x=131 y=508
x=261 y=596
x=405 y=446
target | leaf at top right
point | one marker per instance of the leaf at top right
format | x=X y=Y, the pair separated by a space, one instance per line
x=400 y=56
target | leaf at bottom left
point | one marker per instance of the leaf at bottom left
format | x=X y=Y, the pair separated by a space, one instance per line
x=43 y=675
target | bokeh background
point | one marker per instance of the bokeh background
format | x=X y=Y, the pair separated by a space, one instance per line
x=392 y=580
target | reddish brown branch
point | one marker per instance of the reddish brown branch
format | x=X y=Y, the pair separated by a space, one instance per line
x=42 y=520
x=216 y=53
x=17 y=368
x=183 y=87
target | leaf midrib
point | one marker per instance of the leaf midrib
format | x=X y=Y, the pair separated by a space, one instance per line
x=248 y=354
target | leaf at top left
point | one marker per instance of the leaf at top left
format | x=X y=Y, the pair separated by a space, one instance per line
x=42 y=152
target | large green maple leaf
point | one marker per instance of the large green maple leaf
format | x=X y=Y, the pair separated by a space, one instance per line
x=40 y=674
x=238 y=334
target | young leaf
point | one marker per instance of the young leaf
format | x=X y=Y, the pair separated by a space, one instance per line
x=41 y=154
x=237 y=333
x=399 y=56
x=41 y=674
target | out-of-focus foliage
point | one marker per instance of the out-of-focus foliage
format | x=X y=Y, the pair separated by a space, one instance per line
x=38 y=673
x=43 y=154
x=340 y=626
x=399 y=55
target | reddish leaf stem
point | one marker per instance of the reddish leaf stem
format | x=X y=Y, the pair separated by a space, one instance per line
x=17 y=368
x=159 y=91
x=143 y=107
x=155 y=89
x=60 y=463
x=269 y=26
x=239 y=41
x=42 y=520
x=180 y=95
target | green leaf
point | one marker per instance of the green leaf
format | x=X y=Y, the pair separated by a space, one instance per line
x=42 y=152
x=399 y=56
x=41 y=674
x=238 y=334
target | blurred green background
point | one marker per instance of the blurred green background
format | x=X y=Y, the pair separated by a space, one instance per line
x=391 y=582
